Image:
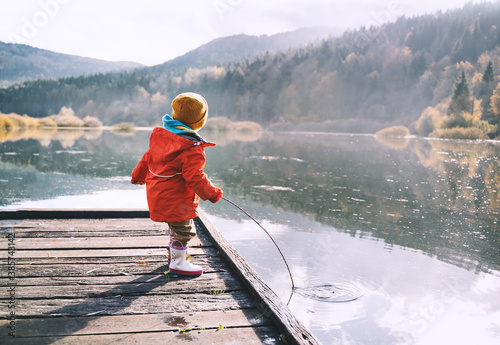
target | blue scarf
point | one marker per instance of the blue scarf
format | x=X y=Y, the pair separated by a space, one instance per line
x=179 y=128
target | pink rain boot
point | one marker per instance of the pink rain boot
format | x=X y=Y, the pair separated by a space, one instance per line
x=168 y=250
x=178 y=261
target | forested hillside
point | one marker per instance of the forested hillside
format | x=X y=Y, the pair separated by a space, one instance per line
x=363 y=81
x=239 y=47
x=19 y=62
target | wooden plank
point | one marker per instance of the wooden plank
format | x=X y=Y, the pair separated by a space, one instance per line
x=88 y=242
x=164 y=284
x=201 y=239
x=72 y=214
x=131 y=305
x=91 y=253
x=63 y=269
x=91 y=228
x=103 y=260
x=266 y=299
x=85 y=225
x=228 y=336
x=92 y=325
x=33 y=233
x=95 y=253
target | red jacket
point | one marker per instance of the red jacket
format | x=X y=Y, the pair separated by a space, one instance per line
x=172 y=169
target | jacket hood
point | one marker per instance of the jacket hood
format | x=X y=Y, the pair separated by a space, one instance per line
x=167 y=145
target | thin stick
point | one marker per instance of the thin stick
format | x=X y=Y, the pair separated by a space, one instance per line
x=268 y=234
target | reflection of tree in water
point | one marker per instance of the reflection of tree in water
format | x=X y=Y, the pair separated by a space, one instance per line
x=45 y=168
x=436 y=196
x=41 y=164
x=470 y=171
x=76 y=152
x=66 y=137
x=87 y=151
x=441 y=197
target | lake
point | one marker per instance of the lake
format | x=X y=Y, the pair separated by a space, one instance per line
x=389 y=241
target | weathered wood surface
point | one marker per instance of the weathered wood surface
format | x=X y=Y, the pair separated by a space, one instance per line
x=145 y=322
x=73 y=214
x=234 y=336
x=102 y=281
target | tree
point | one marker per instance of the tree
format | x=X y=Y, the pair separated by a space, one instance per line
x=486 y=90
x=495 y=106
x=457 y=54
x=418 y=66
x=461 y=100
x=488 y=76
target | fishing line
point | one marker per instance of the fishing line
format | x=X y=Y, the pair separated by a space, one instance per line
x=337 y=293
x=268 y=234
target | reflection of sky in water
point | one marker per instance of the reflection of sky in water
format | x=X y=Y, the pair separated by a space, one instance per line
x=106 y=199
x=408 y=297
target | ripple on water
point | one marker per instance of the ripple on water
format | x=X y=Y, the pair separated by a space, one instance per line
x=335 y=293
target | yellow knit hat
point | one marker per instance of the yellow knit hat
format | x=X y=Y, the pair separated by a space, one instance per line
x=191 y=109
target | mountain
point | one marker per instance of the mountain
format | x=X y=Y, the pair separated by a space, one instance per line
x=19 y=62
x=238 y=47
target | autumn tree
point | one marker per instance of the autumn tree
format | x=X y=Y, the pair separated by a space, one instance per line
x=495 y=106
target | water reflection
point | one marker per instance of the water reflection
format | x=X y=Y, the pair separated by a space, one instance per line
x=330 y=292
x=66 y=137
x=413 y=227
x=408 y=297
x=411 y=224
x=438 y=197
x=37 y=164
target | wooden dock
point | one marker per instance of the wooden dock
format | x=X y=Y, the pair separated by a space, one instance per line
x=98 y=277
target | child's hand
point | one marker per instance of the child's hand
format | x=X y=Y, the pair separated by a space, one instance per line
x=134 y=181
x=216 y=197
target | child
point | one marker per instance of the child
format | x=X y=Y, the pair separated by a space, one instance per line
x=172 y=169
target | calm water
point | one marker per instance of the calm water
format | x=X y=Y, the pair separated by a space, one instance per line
x=393 y=242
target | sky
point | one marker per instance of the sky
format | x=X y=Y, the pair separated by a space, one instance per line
x=154 y=31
